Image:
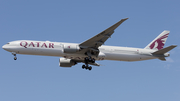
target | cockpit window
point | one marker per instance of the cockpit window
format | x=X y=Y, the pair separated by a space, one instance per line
x=7 y=43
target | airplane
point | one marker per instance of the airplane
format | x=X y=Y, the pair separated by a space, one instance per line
x=91 y=50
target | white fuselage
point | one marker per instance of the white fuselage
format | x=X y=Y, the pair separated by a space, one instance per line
x=47 y=48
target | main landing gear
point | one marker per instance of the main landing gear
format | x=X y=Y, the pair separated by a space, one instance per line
x=15 y=58
x=87 y=60
x=86 y=67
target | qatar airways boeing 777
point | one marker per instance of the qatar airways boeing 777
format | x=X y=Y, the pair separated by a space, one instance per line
x=91 y=50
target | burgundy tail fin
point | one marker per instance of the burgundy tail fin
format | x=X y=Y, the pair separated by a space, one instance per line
x=159 y=42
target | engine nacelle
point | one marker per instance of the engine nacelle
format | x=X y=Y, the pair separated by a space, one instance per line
x=63 y=62
x=71 y=48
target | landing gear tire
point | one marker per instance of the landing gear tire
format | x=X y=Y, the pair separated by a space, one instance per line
x=15 y=58
x=89 y=67
x=93 y=60
x=83 y=66
x=86 y=67
x=86 y=60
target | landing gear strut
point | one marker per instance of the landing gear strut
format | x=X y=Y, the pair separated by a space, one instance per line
x=15 y=58
x=87 y=60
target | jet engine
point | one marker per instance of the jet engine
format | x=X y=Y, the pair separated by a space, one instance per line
x=71 y=48
x=63 y=62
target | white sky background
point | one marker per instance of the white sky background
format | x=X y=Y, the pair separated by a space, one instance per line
x=35 y=78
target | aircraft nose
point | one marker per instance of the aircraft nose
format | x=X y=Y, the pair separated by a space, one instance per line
x=4 y=47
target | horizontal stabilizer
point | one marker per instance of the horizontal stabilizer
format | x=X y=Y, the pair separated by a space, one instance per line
x=162 y=58
x=164 y=50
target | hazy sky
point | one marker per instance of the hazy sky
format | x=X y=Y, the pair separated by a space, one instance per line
x=39 y=78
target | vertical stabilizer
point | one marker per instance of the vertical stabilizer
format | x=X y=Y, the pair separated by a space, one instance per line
x=159 y=41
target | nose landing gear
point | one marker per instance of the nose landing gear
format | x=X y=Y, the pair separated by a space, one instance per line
x=15 y=58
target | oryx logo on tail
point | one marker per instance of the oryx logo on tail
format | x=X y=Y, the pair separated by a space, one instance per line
x=159 y=42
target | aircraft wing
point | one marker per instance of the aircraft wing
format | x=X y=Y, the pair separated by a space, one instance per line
x=100 y=38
